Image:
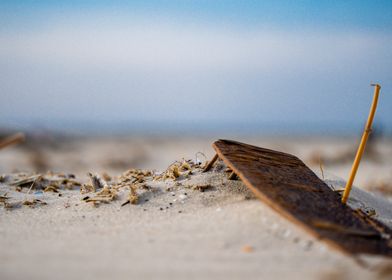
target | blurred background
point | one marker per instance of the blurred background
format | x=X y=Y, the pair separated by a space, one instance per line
x=115 y=84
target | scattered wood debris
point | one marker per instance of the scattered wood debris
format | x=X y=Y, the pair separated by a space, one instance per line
x=97 y=182
x=133 y=176
x=17 y=204
x=51 y=188
x=3 y=198
x=34 y=202
x=176 y=170
x=43 y=181
x=12 y=205
x=87 y=188
x=201 y=188
x=105 y=195
x=133 y=197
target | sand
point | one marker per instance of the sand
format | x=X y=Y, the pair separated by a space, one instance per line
x=222 y=233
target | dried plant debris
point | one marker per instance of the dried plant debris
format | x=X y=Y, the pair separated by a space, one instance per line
x=31 y=184
x=17 y=204
x=26 y=181
x=133 y=197
x=177 y=170
x=133 y=176
x=33 y=203
x=97 y=182
x=201 y=188
x=87 y=188
x=42 y=181
x=134 y=186
x=105 y=195
x=51 y=188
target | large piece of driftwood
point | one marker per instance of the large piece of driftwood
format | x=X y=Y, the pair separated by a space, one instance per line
x=286 y=184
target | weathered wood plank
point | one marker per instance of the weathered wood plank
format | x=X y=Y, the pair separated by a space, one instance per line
x=286 y=184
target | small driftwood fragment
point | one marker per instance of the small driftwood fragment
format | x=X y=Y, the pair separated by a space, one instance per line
x=202 y=188
x=97 y=182
x=211 y=163
x=133 y=197
x=87 y=188
x=25 y=181
x=51 y=188
x=233 y=176
x=34 y=202
x=12 y=140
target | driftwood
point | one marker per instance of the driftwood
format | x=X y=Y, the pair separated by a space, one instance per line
x=287 y=185
x=12 y=140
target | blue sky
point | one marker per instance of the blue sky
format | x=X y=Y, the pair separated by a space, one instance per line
x=234 y=63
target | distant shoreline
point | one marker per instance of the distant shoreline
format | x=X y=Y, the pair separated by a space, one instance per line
x=192 y=128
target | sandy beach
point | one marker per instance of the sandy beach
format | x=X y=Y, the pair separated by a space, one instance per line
x=175 y=230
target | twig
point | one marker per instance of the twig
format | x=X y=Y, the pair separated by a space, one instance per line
x=12 y=140
x=211 y=163
x=321 y=167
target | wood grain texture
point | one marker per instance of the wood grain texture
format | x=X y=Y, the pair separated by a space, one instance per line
x=286 y=184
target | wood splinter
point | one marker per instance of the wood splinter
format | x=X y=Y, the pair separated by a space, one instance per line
x=211 y=163
x=233 y=176
x=12 y=140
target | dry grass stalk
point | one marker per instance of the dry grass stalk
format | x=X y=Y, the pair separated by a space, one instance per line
x=28 y=180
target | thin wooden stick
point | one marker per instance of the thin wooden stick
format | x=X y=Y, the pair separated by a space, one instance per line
x=11 y=140
x=211 y=163
x=233 y=176
x=362 y=145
